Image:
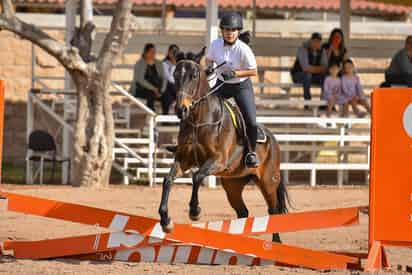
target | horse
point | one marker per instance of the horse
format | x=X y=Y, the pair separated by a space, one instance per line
x=208 y=140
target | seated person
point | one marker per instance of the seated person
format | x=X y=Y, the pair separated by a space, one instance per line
x=335 y=48
x=400 y=69
x=310 y=65
x=148 y=79
x=352 y=90
x=332 y=88
x=169 y=65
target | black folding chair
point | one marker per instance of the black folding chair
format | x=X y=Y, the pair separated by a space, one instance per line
x=42 y=148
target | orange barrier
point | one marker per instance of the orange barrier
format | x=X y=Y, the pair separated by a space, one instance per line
x=1 y=123
x=137 y=231
x=141 y=239
x=391 y=174
x=53 y=248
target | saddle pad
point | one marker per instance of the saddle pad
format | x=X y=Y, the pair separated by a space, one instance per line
x=232 y=112
x=238 y=123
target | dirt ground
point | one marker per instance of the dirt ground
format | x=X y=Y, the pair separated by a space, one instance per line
x=144 y=201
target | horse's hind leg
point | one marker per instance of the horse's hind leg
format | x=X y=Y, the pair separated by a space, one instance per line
x=269 y=185
x=234 y=188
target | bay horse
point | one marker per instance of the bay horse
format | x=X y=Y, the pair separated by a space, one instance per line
x=208 y=140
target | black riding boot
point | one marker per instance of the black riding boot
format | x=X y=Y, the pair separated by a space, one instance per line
x=251 y=159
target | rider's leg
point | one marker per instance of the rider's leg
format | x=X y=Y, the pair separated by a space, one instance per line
x=245 y=99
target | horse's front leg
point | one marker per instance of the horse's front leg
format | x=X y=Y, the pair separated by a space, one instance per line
x=165 y=220
x=210 y=167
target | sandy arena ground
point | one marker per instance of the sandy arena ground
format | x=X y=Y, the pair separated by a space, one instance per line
x=144 y=201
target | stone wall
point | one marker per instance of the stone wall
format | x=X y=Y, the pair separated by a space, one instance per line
x=16 y=71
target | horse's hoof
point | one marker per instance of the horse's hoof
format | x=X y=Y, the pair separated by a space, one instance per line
x=194 y=215
x=168 y=228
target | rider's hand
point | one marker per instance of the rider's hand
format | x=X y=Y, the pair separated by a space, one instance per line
x=209 y=70
x=228 y=75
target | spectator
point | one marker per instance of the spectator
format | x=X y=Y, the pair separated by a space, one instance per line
x=400 y=69
x=169 y=65
x=332 y=88
x=310 y=65
x=352 y=90
x=335 y=48
x=148 y=79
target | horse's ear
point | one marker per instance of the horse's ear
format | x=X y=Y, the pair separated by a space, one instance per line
x=198 y=57
x=180 y=56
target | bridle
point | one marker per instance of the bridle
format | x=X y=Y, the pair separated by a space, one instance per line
x=193 y=92
x=211 y=92
x=196 y=125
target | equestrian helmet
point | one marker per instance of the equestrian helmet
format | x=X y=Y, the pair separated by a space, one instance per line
x=232 y=20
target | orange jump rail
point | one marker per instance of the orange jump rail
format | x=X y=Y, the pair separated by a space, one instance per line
x=150 y=228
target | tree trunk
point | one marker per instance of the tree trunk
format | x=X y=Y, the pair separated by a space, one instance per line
x=94 y=127
x=94 y=132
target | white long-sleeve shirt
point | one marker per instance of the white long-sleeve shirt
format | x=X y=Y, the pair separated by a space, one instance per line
x=238 y=56
x=169 y=69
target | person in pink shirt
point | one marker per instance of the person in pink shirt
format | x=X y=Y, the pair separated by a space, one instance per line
x=352 y=90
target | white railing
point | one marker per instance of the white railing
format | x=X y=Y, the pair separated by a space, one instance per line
x=33 y=99
x=135 y=101
x=151 y=127
x=341 y=123
x=154 y=120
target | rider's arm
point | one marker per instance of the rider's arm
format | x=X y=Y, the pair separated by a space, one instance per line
x=249 y=64
x=246 y=73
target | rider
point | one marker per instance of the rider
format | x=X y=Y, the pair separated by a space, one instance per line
x=236 y=72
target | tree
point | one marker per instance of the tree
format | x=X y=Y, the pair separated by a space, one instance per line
x=94 y=126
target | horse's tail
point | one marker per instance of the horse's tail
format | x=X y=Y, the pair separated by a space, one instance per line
x=283 y=197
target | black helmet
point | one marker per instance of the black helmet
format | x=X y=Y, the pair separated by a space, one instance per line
x=232 y=20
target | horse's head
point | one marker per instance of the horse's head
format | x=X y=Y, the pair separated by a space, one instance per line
x=188 y=76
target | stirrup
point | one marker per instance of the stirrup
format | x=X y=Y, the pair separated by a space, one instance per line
x=251 y=160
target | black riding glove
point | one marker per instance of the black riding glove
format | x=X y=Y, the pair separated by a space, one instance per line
x=228 y=75
x=209 y=70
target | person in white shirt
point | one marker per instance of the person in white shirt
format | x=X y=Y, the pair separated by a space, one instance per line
x=240 y=65
x=169 y=65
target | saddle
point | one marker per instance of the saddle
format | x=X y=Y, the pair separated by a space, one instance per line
x=240 y=125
